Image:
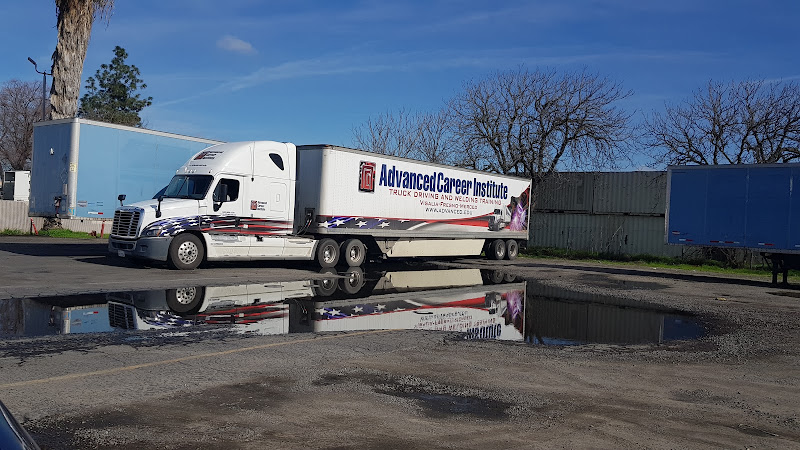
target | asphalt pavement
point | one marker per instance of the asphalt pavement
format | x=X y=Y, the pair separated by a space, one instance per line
x=736 y=387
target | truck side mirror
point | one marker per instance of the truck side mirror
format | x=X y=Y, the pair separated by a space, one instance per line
x=121 y=197
x=220 y=195
x=158 y=210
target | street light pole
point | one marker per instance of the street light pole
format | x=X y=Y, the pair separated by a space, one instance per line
x=44 y=84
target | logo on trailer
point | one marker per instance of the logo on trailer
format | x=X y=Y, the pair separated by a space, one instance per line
x=367 y=180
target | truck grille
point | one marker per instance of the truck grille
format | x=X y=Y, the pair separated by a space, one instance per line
x=121 y=316
x=125 y=223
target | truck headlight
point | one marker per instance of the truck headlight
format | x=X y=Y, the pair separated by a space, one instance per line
x=152 y=232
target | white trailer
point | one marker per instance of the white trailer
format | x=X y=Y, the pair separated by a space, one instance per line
x=17 y=185
x=270 y=200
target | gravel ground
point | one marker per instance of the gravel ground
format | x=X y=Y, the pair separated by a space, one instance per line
x=738 y=387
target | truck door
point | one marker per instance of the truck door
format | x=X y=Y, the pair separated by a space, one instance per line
x=268 y=196
x=228 y=230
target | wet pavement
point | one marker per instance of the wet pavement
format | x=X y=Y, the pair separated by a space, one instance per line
x=539 y=354
x=480 y=304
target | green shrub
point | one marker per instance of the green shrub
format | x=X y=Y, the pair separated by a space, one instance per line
x=8 y=232
x=56 y=233
x=692 y=263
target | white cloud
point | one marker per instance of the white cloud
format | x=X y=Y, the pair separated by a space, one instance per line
x=357 y=62
x=233 y=44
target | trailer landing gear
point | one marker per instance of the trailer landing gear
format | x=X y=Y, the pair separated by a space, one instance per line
x=782 y=263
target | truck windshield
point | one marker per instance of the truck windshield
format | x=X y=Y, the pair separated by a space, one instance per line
x=188 y=186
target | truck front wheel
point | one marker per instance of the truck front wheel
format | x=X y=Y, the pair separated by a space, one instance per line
x=185 y=251
x=497 y=249
x=354 y=252
x=327 y=253
x=185 y=300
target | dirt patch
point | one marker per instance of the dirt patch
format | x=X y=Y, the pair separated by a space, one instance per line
x=206 y=416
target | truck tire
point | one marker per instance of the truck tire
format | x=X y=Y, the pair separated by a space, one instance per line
x=185 y=252
x=325 y=287
x=353 y=252
x=185 y=300
x=512 y=249
x=327 y=253
x=495 y=277
x=497 y=249
x=353 y=280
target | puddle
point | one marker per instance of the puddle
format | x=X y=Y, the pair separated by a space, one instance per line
x=785 y=293
x=558 y=317
x=480 y=304
x=442 y=405
x=436 y=400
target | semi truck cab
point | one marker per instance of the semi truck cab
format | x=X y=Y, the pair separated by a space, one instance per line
x=231 y=201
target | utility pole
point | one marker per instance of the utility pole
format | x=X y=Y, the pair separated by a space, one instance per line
x=44 y=84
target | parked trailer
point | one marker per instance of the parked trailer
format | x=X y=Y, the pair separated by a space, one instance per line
x=271 y=200
x=80 y=165
x=737 y=206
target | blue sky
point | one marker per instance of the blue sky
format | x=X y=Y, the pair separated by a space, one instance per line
x=309 y=71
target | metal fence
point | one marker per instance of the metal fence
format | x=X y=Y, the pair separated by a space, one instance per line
x=14 y=216
x=604 y=212
x=601 y=233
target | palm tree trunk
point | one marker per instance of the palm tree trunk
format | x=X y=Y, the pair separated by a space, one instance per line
x=75 y=19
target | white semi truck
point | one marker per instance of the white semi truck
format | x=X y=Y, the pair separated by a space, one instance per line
x=267 y=200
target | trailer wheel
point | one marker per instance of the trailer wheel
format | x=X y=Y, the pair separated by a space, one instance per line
x=495 y=277
x=353 y=252
x=512 y=249
x=497 y=249
x=325 y=287
x=185 y=300
x=185 y=252
x=327 y=253
x=353 y=280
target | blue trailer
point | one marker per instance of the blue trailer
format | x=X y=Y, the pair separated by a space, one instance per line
x=752 y=206
x=79 y=166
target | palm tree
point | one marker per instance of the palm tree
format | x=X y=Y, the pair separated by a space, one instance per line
x=75 y=19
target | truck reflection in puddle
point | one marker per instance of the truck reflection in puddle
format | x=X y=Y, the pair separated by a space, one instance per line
x=446 y=300
x=481 y=304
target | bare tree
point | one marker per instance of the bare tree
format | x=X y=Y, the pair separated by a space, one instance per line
x=20 y=103
x=388 y=134
x=735 y=123
x=533 y=122
x=422 y=136
x=435 y=142
x=75 y=18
